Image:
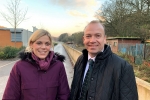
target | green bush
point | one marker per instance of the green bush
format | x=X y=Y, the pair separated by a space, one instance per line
x=9 y=52
x=1 y=54
x=22 y=48
x=55 y=44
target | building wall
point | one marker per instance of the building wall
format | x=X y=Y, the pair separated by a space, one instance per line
x=5 y=39
x=129 y=41
x=25 y=37
x=113 y=44
x=148 y=41
x=34 y=28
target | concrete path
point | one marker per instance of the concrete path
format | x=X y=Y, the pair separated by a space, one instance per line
x=5 y=69
x=6 y=66
x=68 y=66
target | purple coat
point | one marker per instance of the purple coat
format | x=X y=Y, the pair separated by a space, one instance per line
x=28 y=82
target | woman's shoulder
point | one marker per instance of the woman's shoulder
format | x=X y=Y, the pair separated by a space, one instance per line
x=24 y=55
x=59 y=57
x=58 y=60
x=21 y=63
x=19 y=66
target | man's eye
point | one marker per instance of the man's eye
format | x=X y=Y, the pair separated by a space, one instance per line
x=98 y=36
x=88 y=36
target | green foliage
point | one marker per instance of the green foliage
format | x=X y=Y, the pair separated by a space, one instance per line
x=63 y=37
x=142 y=71
x=1 y=54
x=9 y=52
x=75 y=38
x=55 y=43
x=22 y=48
x=126 y=18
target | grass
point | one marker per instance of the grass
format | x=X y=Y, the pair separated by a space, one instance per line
x=141 y=71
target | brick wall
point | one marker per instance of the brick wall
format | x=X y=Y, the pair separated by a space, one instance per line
x=5 y=39
x=129 y=41
x=113 y=44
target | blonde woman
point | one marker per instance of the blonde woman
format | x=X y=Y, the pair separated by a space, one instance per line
x=40 y=74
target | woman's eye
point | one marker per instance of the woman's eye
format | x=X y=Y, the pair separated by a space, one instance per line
x=47 y=44
x=38 y=43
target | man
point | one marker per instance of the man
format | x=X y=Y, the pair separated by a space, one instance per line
x=111 y=77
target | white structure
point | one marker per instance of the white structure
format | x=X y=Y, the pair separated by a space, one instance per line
x=25 y=37
x=22 y=35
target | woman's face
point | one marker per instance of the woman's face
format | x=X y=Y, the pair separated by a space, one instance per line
x=41 y=47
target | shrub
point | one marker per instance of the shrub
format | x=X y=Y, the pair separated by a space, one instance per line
x=8 y=52
x=55 y=43
x=1 y=54
x=22 y=48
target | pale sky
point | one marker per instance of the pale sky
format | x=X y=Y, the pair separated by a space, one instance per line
x=56 y=16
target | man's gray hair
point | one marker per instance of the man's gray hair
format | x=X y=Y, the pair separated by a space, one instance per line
x=93 y=22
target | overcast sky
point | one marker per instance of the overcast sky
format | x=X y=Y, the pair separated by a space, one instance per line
x=57 y=16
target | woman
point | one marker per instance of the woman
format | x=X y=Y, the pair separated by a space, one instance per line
x=40 y=74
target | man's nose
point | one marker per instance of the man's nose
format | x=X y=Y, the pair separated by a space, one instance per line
x=92 y=39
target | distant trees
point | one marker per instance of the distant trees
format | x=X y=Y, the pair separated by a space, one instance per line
x=76 y=38
x=128 y=18
x=63 y=37
x=14 y=15
x=124 y=18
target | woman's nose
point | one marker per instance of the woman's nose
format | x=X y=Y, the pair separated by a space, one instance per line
x=43 y=46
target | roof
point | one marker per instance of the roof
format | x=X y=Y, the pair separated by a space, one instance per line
x=148 y=41
x=2 y=27
x=12 y=29
x=17 y=29
x=127 y=38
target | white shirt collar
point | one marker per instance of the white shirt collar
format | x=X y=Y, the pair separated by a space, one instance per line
x=89 y=57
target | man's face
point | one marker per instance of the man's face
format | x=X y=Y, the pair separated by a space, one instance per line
x=94 y=38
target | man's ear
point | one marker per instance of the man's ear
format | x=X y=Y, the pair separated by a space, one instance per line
x=105 y=39
x=83 y=39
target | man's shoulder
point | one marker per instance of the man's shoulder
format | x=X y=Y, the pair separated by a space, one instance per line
x=116 y=57
x=80 y=58
x=120 y=61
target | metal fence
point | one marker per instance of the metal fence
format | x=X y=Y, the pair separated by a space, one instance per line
x=139 y=51
x=131 y=49
x=147 y=52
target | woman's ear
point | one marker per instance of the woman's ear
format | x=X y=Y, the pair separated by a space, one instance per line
x=31 y=45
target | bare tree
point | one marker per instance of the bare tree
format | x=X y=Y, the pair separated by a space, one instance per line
x=115 y=13
x=127 y=18
x=14 y=15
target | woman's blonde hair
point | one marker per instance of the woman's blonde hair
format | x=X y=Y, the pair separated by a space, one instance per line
x=36 y=35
